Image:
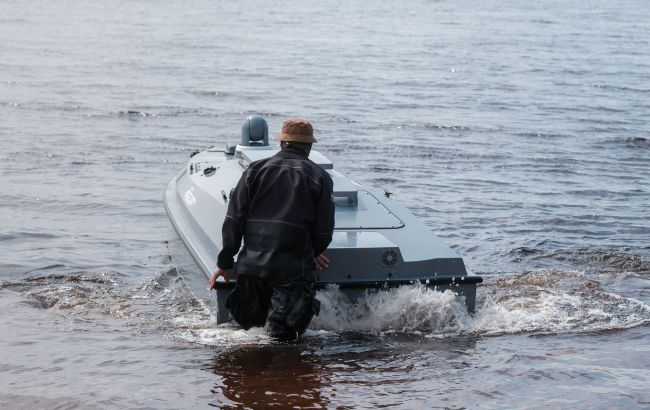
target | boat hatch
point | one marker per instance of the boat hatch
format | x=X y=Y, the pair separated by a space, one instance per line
x=356 y=208
x=363 y=211
x=360 y=240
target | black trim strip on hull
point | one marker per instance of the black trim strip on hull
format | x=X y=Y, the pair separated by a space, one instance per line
x=455 y=280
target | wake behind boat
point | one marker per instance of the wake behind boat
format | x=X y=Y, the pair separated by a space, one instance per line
x=377 y=242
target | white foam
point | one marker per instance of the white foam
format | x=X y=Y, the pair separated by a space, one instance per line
x=546 y=302
x=543 y=302
x=225 y=335
x=193 y=321
x=553 y=302
x=405 y=309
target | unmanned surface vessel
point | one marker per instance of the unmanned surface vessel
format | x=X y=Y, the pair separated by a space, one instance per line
x=377 y=243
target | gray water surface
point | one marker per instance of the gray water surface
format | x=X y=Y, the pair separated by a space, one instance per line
x=518 y=131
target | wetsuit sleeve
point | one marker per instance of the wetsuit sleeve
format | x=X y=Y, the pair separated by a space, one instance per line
x=234 y=224
x=323 y=228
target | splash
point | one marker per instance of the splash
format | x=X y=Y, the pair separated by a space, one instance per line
x=553 y=302
x=536 y=303
x=547 y=302
x=162 y=305
x=72 y=294
x=405 y=309
x=603 y=261
x=226 y=335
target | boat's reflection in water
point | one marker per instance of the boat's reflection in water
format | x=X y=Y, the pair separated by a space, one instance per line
x=314 y=375
x=281 y=376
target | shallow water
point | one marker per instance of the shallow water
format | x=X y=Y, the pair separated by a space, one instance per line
x=518 y=132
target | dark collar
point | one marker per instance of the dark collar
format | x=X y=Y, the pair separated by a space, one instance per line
x=292 y=152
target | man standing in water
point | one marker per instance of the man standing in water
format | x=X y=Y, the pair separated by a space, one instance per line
x=283 y=207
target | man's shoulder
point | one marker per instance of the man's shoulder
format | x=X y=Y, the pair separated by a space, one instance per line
x=320 y=172
x=260 y=163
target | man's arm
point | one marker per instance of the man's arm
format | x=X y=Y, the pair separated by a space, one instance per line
x=234 y=224
x=323 y=228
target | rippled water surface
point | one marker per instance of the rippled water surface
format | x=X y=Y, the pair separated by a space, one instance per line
x=518 y=131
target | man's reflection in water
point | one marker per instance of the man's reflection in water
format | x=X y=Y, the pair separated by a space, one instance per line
x=279 y=376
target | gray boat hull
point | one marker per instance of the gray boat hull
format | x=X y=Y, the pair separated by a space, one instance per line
x=377 y=243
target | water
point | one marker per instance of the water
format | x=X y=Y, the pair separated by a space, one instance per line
x=518 y=131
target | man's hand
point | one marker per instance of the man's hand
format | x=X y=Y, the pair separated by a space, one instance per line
x=219 y=272
x=322 y=262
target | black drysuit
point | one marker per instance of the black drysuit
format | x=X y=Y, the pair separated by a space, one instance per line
x=283 y=208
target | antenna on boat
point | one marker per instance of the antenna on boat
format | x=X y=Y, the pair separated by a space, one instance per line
x=255 y=131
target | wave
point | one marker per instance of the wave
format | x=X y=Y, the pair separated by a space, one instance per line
x=209 y=93
x=160 y=111
x=134 y=113
x=542 y=135
x=632 y=142
x=622 y=88
x=25 y=235
x=549 y=302
x=535 y=303
x=427 y=126
x=588 y=259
